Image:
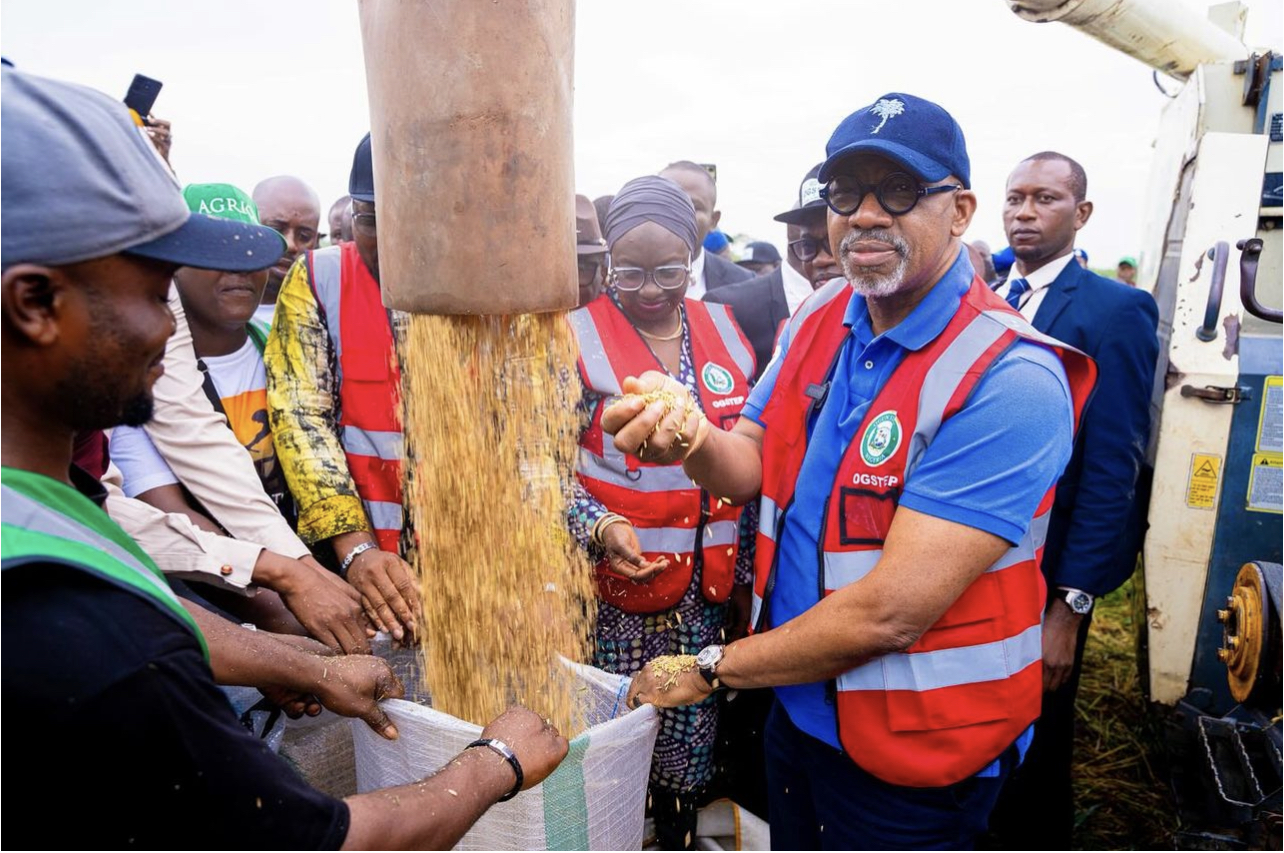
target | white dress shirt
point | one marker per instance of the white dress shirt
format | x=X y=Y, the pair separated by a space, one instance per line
x=1038 y=281
x=797 y=287
x=696 y=288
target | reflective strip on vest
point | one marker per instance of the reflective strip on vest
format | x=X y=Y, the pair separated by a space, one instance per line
x=593 y=353
x=847 y=567
x=30 y=514
x=327 y=281
x=384 y=515
x=768 y=517
x=921 y=671
x=679 y=540
x=940 y=383
x=755 y=609
x=647 y=478
x=365 y=442
x=731 y=339
x=1028 y=548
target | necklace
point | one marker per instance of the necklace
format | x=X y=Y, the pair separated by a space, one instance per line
x=673 y=336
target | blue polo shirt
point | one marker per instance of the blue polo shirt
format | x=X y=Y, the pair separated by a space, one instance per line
x=988 y=467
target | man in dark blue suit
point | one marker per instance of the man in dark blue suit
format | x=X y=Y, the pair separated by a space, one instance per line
x=708 y=271
x=1096 y=524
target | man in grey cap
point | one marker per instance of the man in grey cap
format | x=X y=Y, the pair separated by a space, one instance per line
x=759 y=257
x=590 y=250
x=93 y=228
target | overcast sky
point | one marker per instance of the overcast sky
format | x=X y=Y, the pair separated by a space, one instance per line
x=277 y=86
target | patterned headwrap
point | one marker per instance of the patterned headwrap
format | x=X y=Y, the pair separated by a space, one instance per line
x=651 y=199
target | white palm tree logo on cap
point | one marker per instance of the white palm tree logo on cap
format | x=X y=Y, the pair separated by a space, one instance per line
x=886 y=108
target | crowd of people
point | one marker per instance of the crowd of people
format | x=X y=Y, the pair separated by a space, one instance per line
x=873 y=484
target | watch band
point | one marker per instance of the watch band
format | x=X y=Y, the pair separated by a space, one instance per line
x=352 y=555
x=507 y=754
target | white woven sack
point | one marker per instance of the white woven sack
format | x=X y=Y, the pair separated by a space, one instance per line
x=595 y=800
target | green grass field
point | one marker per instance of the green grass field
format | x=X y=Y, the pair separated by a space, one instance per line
x=1122 y=800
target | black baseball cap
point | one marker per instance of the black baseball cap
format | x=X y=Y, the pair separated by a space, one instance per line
x=808 y=199
x=361 y=180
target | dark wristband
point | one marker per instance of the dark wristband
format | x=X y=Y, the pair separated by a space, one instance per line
x=507 y=754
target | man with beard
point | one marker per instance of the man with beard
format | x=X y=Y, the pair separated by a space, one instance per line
x=590 y=251
x=905 y=442
x=763 y=303
x=94 y=639
x=292 y=208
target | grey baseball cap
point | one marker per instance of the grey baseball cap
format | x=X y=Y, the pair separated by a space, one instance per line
x=78 y=180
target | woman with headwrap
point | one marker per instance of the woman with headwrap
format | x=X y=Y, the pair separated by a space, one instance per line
x=667 y=554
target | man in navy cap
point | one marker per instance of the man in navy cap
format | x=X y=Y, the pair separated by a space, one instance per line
x=334 y=406
x=905 y=441
x=95 y=642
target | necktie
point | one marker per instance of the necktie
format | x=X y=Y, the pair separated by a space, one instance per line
x=1017 y=288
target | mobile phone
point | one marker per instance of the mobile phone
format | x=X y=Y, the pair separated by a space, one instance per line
x=142 y=95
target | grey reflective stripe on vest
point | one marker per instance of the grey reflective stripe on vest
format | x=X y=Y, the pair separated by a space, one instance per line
x=919 y=671
x=755 y=610
x=613 y=469
x=1029 y=545
x=847 y=567
x=601 y=377
x=1021 y=326
x=384 y=515
x=818 y=300
x=943 y=379
x=730 y=334
x=768 y=517
x=679 y=540
x=366 y=442
x=327 y=281
x=22 y=511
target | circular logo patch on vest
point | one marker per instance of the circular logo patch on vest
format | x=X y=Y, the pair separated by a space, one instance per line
x=882 y=437
x=717 y=378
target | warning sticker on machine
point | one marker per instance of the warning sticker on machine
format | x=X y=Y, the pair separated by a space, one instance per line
x=1270 y=426
x=1205 y=472
x=1266 y=483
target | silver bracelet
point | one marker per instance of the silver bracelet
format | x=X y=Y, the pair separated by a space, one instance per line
x=352 y=555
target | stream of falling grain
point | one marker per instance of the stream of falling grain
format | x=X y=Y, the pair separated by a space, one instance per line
x=491 y=437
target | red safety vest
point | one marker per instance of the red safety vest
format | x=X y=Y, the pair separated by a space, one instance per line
x=948 y=705
x=369 y=381
x=672 y=516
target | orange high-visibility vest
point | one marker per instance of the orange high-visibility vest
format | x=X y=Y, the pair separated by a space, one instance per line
x=948 y=705
x=369 y=382
x=673 y=517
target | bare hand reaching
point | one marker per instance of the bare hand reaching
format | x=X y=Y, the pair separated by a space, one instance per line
x=624 y=553
x=539 y=746
x=656 y=420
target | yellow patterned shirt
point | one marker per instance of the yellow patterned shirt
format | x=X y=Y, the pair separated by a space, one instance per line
x=302 y=398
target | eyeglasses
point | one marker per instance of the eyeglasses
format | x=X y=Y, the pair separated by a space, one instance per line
x=589 y=267
x=363 y=224
x=807 y=248
x=630 y=279
x=897 y=194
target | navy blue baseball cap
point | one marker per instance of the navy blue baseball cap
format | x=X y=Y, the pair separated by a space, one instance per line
x=361 y=179
x=917 y=135
x=80 y=181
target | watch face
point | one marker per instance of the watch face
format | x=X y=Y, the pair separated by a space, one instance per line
x=709 y=656
x=1080 y=603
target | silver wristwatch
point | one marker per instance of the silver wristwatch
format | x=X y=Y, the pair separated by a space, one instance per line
x=1078 y=600
x=707 y=660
